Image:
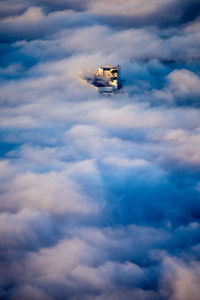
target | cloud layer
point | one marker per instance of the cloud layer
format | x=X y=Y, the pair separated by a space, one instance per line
x=99 y=195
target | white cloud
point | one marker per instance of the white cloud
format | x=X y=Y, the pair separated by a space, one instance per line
x=128 y=7
x=93 y=188
x=182 y=278
x=184 y=83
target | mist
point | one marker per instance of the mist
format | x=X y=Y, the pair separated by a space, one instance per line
x=99 y=194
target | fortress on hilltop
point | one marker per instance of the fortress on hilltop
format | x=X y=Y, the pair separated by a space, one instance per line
x=106 y=80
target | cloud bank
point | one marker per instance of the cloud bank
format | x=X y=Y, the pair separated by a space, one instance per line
x=99 y=195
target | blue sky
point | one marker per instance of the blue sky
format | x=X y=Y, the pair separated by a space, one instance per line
x=99 y=195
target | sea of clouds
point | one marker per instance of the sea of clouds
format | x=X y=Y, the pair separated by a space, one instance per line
x=99 y=196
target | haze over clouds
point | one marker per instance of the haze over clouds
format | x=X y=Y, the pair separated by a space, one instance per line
x=100 y=196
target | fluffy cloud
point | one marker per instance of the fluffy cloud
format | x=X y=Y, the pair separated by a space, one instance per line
x=133 y=13
x=133 y=8
x=99 y=196
x=183 y=279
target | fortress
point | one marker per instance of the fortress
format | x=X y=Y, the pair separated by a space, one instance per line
x=107 y=79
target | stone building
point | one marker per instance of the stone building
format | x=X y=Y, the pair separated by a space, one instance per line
x=110 y=74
